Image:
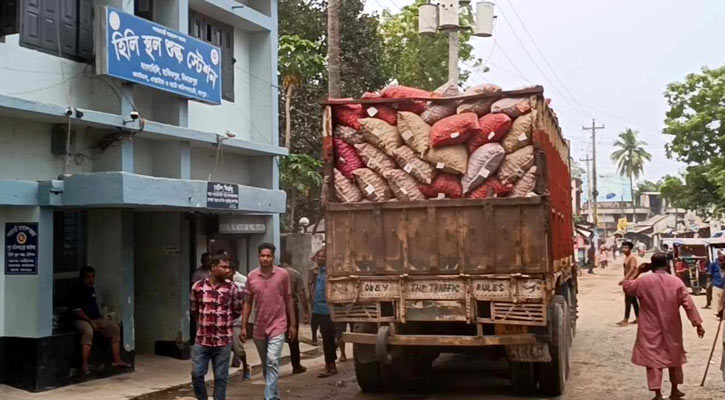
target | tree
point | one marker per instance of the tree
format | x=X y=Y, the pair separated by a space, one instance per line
x=417 y=60
x=361 y=51
x=647 y=186
x=630 y=157
x=694 y=120
x=301 y=178
x=298 y=59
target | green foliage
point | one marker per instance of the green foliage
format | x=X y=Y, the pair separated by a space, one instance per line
x=697 y=109
x=630 y=155
x=417 y=60
x=301 y=178
x=299 y=59
x=647 y=186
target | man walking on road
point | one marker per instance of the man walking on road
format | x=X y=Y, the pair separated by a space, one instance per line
x=630 y=264
x=240 y=355
x=215 y=304
x=659 y=334
x=268 y=288
x=321 y=312
x=714 y=270
x=299 y=297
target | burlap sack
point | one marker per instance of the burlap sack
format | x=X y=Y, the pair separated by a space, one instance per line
x=480 y=106
x=437 y=110
x=449 y=159
x=526 y=184
x=516 y=164
x=404 y=187
x=483 y=163
x=345 y=189
x=519 y=135
x=381 y=134
x=513 y=107
x=417 y=168
x=383 y=111
x=374 y=159
x=348 y=134
x=414 y=131
x=373 y=187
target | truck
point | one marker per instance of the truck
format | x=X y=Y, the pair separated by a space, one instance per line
x=493 y=276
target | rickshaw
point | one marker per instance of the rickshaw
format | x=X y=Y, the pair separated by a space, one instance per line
x=691 y=260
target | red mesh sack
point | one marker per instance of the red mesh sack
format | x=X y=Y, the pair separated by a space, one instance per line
x=404 y=92
x=443 y=186
x=346 y=158
x=493 y=128
x=454 y=129
x=381 y=111
x=491 y=188
x=348 y=115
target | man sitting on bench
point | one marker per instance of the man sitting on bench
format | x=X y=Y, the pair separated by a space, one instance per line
x=87 y=319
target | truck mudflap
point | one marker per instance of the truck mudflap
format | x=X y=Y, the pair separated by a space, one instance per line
x=496 y=299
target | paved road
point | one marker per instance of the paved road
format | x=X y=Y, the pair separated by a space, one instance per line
x=600 y=363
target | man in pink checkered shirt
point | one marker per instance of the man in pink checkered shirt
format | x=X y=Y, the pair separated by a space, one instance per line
x=215 y=303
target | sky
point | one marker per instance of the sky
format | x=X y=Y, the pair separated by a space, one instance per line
x=610 y=60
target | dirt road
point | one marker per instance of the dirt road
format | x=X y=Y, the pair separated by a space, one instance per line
x=600 y=363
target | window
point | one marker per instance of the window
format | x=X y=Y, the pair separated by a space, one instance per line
x=144 y=9
x=8 y=17
x=219 y=34
x=69 y=239
x=58 y=27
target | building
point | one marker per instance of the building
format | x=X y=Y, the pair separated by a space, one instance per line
x=134 y=180
x=651 y=204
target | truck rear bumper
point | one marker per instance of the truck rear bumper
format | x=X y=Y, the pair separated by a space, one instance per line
x=442 y=340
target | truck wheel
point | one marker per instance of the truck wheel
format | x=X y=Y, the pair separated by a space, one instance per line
x=523 y=378
x=573 y=305
x=552 y=376
x=385 y=357
x=367 y=374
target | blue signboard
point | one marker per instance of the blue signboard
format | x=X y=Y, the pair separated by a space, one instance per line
x=150 y=54
x=21 y=248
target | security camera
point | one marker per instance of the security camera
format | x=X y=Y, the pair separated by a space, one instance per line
x=230 y=134
x=68 y=111
x=133 y=115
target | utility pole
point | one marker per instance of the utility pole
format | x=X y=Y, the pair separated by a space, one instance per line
x=453 y=48
x=589 y=185
x=333 y=49
x=595 y=193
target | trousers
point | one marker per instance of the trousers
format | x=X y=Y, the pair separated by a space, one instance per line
x=106 y=327
x=654 y=377
x=270 y=351
x=329 y=345
x=629 y=303
x=294 y=345
x=219 y=356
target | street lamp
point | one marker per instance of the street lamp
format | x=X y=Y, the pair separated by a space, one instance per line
x=444 y=16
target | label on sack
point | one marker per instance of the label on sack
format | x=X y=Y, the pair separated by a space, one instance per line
x=402 y=190
x=484 y=172
x=372 y=111
x=407 y=135
x=408 y=168
x=491 y=135
x=394 y=105
x=455 y=135
x=441 y=196
x=523 y=137
x=440 y=165
x=369 y=189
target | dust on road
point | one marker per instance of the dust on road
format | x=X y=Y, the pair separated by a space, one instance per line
x=600 y=362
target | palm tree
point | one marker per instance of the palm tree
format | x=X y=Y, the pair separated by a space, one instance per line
x=630 y=157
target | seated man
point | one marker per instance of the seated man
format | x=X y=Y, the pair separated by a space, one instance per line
x=87 y=319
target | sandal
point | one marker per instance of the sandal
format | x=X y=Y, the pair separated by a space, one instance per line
x=327 y=374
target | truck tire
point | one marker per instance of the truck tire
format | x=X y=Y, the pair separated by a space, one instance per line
x=552 y=376
x=523 y=377
x=573 y=304
x=368 y=375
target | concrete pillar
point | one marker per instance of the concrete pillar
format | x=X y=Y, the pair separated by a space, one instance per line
x=111 y=253
x=26 y=303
